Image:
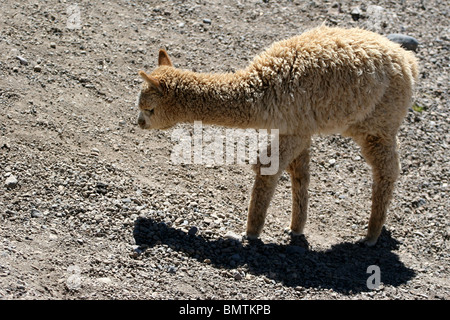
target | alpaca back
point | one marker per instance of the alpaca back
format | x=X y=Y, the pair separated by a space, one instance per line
x=327 y=79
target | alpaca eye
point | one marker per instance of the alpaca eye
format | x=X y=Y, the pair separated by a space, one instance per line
x=150 y=112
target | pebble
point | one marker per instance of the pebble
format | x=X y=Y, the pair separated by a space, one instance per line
x=171 y=269
x=418 y=202
x=233 y=236
x=104 y=280
x=10 y=212
x=37 y=68
x=126 y=200
x=407 y=42
x=36 y=213
x=237 y=276
x=52 y=237
x=206 y=21
x=193 y=204
x=22 y=60
x=11 y=182
x=4 y=142
x=356 y=14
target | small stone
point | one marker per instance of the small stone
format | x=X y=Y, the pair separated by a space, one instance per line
x=11 y=182
x=101 y=184
x=52 y=45
x=193 y=204
x=418 y=202
x=10 y=212
x=268 y=281
x=104 y=280
x=332 y=161
x=233 y=236
x=208 y=220
x=237 y=276
x=335 y=8
x=126 y=200
x=356 y=14
x=206 y=21
x=36 y=213
x=22 y=60
x=171 y=269
x=37 y=68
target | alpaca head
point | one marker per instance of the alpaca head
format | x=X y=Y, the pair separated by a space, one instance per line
x=153 y=103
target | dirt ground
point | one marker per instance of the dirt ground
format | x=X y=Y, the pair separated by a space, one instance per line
x=91 y=207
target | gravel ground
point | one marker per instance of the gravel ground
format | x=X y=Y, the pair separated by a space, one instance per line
x=92 y=208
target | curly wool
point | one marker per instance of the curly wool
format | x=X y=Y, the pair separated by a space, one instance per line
x=322 y=81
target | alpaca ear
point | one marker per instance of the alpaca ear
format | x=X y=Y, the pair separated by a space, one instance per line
x=163 y=58
x=153 y=82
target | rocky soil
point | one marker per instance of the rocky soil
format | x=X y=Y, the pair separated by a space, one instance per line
x=92 y=208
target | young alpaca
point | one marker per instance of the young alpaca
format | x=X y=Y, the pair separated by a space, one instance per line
x=327 y=80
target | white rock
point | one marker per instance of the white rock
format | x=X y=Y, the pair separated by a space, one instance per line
x=11 y=182
x=233 y=236
x=104 y=280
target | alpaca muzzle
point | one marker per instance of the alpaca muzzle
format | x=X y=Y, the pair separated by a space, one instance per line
x=141 y=121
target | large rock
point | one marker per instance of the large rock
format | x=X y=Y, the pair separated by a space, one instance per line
x=407 y=42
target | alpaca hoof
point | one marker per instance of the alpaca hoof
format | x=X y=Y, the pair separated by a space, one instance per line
x=293 y=233
x=251 y=236
x=296 y=233
x=368 y=242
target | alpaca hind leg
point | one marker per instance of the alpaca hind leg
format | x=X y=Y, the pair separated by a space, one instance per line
x=382 y=155
x=299 y=171
x=265 y=184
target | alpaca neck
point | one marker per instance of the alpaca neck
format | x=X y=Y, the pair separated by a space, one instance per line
x=219 y=99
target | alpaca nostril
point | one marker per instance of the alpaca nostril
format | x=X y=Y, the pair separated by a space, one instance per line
x=141 y=122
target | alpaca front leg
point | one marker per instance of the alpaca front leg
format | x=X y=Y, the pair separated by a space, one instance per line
x=264 y=185
x=263 y=190
x=299 y=171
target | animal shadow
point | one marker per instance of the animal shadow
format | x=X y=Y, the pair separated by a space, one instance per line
x=343 y=267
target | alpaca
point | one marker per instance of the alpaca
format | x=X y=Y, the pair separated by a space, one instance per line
x=325 y=81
